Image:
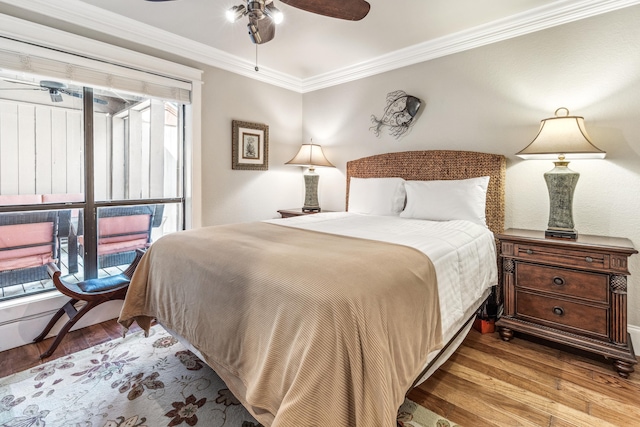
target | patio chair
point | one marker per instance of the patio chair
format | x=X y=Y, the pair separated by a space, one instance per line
x=28 y=242
x=66 y=227
x=122 y=230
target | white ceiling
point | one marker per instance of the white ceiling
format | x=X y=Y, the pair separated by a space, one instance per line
x=306 y=44
x=311 y=51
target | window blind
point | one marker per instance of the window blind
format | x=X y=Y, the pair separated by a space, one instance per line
x=69 y=68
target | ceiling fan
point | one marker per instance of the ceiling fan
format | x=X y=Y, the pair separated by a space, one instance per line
x=55 y=89
x=264 y=15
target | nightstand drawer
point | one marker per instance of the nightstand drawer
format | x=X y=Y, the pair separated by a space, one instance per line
x=581 y=284
x=575 y=258
x=562 y=314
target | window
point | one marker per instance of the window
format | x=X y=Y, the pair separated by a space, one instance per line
x=84 y=63
x=56 y=141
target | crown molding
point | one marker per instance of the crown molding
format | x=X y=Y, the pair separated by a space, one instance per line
x=554 y=14
x=551 y=15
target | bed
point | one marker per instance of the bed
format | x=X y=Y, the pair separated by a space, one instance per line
x=331 y=318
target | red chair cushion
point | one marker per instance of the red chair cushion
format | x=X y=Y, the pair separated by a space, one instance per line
x=38 y=236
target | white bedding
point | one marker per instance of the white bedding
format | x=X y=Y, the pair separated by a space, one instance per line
x=463 y=253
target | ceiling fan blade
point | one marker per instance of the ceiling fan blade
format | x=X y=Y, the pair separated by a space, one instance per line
x=351 y=10
x=96 y=99
x=21 y=88
x=34 y=85
x=267 y=29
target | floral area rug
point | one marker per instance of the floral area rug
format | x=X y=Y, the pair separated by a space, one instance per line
x=136 y=382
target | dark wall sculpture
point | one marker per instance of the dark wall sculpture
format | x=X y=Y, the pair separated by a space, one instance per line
x=399 y=114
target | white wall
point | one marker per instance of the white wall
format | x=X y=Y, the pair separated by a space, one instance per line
x=492 y=99
x=241 y=195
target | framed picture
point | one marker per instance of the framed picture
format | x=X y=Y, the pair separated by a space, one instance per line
x=250 y=146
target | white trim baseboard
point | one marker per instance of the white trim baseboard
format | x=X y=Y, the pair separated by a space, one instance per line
x=634 y=333
x=22 y=319
x=557 y=13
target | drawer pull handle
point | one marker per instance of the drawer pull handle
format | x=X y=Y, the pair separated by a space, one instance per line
x=529 y=252
x=558 y=281
x=588 y=259
x=558 y=311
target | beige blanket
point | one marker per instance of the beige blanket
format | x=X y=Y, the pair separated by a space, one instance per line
x=305 y=328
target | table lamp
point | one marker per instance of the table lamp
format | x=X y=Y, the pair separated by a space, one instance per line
x=564 y=138
x=310 y=155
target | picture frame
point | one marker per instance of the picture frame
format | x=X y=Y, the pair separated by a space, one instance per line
x=250 y=146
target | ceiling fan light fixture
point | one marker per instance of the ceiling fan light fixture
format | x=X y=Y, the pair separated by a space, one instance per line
x=235 y=13
x=255 y=9
x=274 y=13
x=254 y=34
x=55 y=95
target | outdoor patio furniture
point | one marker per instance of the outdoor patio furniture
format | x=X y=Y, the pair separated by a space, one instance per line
x=122 y=230
x=20 y=266
x=28 y=242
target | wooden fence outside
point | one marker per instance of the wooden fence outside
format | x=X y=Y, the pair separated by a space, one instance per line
x=135 y=155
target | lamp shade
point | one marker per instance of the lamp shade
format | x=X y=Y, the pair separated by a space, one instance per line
x=562 y=136
x=310 y=155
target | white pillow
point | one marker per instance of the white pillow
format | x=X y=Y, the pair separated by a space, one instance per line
x=447 y=200
x=376 y=196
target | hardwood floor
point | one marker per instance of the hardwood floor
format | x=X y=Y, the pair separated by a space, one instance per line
x=487 y=382
x=25 y=357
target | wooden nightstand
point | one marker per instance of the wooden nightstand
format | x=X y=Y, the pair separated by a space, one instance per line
x=572 y=292
x=287 y=213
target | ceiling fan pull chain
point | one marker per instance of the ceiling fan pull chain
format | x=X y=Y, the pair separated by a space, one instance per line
x=256 y=67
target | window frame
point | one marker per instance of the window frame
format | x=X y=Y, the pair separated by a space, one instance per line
x=21 y=319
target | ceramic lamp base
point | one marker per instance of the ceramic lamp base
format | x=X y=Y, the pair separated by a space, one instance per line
x=561 y=183
x=311 y=193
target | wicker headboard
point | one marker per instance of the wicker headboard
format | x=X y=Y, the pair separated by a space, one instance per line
x=440 y=165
